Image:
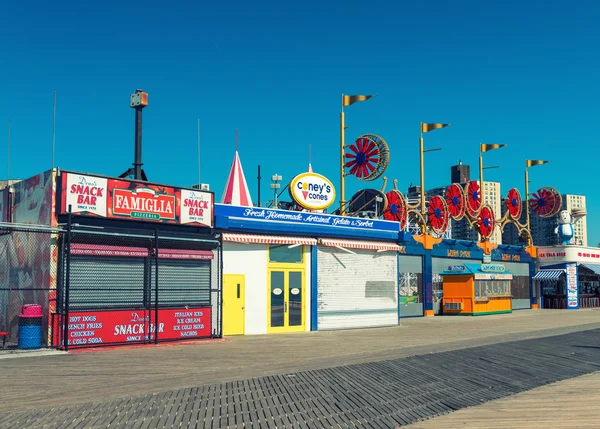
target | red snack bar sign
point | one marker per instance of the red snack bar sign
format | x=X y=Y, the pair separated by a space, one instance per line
x=122 y=326
x=86 y=194
x=196 y=207
x=143 y=203
x=126 y=199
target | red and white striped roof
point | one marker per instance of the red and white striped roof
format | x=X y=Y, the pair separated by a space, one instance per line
x=236 y=190
x=268 y=239
x=354 y=244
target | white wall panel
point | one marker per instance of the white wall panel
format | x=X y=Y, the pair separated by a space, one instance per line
x=356 y=290
x=250 y=260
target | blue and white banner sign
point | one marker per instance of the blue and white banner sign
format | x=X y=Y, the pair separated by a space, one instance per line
x=303 y=218
x=492 y=268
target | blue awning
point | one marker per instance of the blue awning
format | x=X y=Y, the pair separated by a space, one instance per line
x=594 y=267
x=548 y=274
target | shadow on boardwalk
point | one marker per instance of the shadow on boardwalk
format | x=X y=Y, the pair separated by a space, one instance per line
x=380 y=394
x=246 y=372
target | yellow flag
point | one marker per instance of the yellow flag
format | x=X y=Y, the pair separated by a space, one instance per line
x=351 y=99
x=532 y=162
x=486 y=147
x=428 y=127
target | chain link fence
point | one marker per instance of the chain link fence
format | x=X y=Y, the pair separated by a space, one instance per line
x=87 y=287
x=28 y=273
x=137 y=286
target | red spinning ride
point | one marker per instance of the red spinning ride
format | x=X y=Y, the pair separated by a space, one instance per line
x=455 y=200
x=396 y=209
x=486 y=222
x=368 y=157
x=514 y=204
x=546 y=202
x=473 y=198
x=437 y=215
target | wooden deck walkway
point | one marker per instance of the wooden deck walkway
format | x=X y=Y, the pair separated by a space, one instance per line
x=571 y=404
x=380 y=394
x=355 y=378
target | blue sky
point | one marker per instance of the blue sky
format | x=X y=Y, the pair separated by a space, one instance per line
x=520 y=73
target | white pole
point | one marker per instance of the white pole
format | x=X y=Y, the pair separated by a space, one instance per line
x=198 y=152
x=8 y=166
x=54 y=130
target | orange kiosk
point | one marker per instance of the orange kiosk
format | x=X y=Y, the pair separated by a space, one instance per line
x=476 y=290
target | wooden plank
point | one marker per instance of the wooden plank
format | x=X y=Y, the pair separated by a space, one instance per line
x=566 y=404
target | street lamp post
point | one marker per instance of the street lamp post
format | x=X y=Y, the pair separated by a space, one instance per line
x=425 y=128
x=530 y=163
x=347 y=100
x=275 y=179
x=138 y=100
x=342 y=163
x=485 y=148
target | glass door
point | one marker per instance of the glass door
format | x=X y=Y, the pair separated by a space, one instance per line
x=286 y=300
x=277 y=298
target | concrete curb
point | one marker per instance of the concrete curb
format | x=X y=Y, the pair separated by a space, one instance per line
x=29 y=353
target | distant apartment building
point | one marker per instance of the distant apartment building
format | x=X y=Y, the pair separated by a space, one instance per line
x=492 y=197
x=542 y=229
x=571 y=202
x=460 y=173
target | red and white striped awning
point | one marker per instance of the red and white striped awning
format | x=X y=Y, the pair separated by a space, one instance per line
x=268 y=239
x=354 y=244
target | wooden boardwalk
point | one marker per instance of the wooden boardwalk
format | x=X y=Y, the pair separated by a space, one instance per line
x=357 y=378
x=568 y=404
x=381 y=394
x=111 y=374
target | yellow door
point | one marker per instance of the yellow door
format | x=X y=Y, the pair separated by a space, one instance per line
x=286 y=300
x=233 y=304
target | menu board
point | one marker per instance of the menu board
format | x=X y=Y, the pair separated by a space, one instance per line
x=572 y=295
x=122 y=326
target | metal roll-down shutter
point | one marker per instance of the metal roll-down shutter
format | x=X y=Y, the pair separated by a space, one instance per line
x=519 y=286
x=106 y=283
x=357 y=284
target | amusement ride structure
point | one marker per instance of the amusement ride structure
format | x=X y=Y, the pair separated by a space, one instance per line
x=368 y=158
